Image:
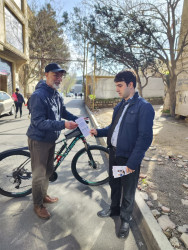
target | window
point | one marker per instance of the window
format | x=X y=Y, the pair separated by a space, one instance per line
x=14 y=30
x=19 y=3
x=4 y=96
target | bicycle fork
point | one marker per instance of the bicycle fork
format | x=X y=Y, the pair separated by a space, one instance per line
x=91 y=160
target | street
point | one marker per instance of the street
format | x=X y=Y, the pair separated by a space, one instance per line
x=74 y=224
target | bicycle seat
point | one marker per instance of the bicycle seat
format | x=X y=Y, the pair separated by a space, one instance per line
x=72 y=133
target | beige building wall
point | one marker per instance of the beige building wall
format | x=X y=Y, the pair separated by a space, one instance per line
x=9 y=53
x=182 y=81
x=105 y=87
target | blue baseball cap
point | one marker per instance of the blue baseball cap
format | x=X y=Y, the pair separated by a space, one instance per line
x=54 y=67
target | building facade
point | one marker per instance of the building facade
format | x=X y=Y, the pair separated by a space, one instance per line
x=14 y=47
x=182 y=81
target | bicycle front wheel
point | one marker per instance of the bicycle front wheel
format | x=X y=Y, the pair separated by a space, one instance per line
x=15 y=173
x=91 y=167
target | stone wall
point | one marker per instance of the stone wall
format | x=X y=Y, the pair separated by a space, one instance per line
x=110 y=103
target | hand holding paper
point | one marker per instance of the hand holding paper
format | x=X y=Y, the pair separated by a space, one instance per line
x=119 y=171
x=83 y=126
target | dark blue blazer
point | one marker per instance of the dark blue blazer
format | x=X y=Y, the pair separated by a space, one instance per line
x=136 y=131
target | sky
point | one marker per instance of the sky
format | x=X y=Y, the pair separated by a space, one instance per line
x=66 y=4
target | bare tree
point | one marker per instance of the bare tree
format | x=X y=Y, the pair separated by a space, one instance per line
x=46 y=44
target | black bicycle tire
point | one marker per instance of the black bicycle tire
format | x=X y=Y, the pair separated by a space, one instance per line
x=4 y=155
x=74 y=170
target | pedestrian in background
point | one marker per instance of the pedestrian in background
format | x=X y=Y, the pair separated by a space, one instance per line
x=47 y=108
x=128 y=137
x=18 y=102
x=28 y=103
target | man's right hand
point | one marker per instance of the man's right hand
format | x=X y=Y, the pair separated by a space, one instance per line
x=70 y=125
x=93 y=132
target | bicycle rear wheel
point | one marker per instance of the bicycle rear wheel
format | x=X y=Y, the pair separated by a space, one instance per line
x=15 y=173
x=91 y=170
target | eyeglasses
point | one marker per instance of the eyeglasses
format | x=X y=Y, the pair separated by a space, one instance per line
x=59 y=75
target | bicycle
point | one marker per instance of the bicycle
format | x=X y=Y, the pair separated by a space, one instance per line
x=89 y=165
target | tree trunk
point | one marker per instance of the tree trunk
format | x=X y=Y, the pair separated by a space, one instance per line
x=139 y=85
x=172 y=93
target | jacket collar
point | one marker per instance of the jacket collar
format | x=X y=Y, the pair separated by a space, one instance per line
x=132 y=99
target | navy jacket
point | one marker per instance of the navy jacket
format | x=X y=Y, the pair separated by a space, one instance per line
x=47 y=108
x=136 y=131
x=20 y=98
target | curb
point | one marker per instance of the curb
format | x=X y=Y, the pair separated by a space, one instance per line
x=150 y=229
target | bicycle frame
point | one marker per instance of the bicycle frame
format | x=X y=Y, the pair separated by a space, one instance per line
x=61 y=156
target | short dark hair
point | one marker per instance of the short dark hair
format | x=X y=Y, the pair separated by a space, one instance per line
x=17 y=89
x=126 y=76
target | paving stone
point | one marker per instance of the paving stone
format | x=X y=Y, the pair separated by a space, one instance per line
x=184 y=202
x=155 y=212
x=174 y=242
x=153 y=159
x=143 y=176
x=154 y=196
x=165 y=222
x=144 y=195
x=160 y=163
x=159 y=204
x=183 y=229
x=184 y=239
x=185 y=185
x=152 y=185
x=180 y=156
x=180 y=166
x=165 y=209
x=159 y=159
x=146 y=159
x=149 y=203
x=168 y=234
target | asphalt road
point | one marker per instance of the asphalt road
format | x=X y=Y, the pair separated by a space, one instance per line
x=74 y=224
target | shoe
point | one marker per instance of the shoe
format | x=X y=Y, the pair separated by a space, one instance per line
x=48 y=199
x=124 y=230
x=42 y=212
x=108 y=213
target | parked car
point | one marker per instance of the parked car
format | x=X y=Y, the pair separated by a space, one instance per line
x=69 y=94
x=7 y=105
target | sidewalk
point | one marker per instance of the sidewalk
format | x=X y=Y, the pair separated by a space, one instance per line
x=150 y=229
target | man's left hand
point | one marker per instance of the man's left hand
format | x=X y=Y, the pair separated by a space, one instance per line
x=129 y=170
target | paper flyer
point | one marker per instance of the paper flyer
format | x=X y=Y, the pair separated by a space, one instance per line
x=83 y=126
x=119 y=171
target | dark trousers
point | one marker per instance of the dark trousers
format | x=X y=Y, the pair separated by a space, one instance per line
x=122 y=189
x=18 y=107
x=42 y=160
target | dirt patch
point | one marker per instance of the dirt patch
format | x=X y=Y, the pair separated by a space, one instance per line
x=164 y=168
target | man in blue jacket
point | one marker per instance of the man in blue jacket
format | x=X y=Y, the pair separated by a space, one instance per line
x=47 y=108
x=128 y=137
